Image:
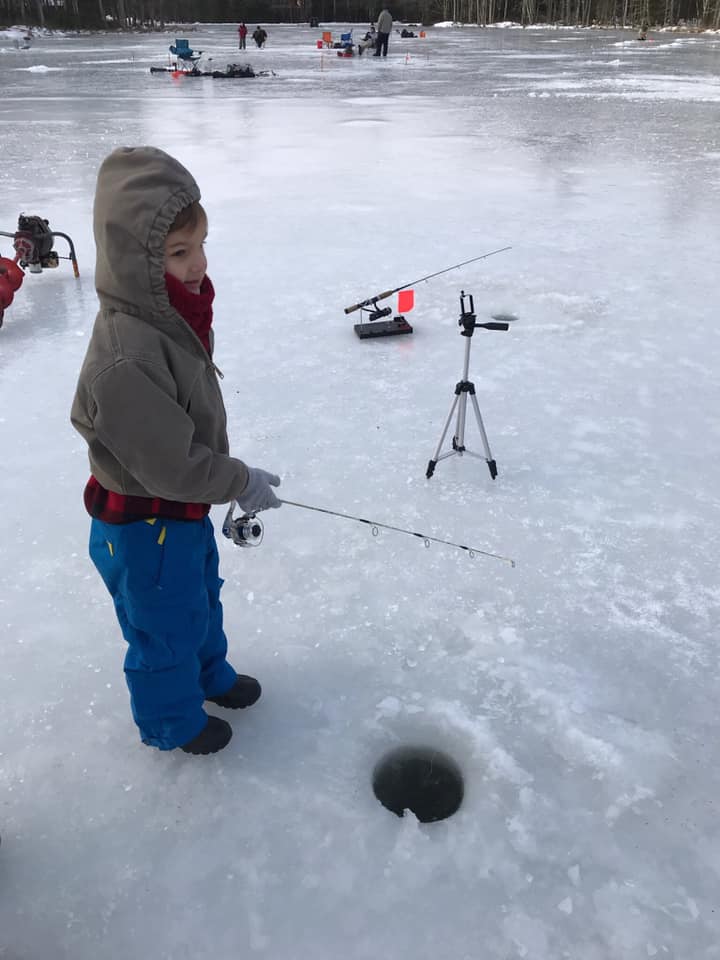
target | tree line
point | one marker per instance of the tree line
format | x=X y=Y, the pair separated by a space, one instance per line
x=153 y=14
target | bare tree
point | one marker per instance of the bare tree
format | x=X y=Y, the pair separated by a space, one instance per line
x=125 y=14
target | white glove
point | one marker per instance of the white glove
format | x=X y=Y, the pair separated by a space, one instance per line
x=258 y=494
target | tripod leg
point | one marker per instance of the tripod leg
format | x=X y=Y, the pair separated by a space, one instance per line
x=492 y=467
x=433 y=463
x=459 y=438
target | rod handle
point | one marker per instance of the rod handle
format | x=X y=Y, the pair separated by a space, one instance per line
x=364 y=303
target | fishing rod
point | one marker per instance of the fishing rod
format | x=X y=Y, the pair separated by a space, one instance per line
x=389 y=293
x=247 y=530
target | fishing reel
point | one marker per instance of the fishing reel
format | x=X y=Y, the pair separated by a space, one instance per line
x=377 y=313
x=244 y=531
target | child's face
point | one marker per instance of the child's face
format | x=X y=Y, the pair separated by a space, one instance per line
x=185 y=255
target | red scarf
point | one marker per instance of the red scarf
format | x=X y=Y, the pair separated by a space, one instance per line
x=194 y=308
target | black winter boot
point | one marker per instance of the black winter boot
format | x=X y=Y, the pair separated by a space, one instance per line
x=214 y=737
x=243 y=693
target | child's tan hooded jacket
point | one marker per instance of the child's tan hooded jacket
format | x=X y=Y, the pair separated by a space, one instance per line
x=148 y=401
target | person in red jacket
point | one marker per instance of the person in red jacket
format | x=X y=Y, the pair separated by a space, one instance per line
x=11 y=278
x=242 y=34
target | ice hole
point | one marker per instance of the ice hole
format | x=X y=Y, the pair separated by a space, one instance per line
x=420 y=779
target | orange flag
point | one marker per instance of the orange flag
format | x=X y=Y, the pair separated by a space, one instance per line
x=406 y=301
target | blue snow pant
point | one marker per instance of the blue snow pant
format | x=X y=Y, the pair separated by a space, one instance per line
x=163 y=578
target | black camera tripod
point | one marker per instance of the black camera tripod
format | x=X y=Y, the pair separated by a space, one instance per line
x=469 y=324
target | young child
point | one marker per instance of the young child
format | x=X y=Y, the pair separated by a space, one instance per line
x=148 y=403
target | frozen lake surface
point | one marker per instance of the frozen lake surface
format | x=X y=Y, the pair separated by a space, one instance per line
x=578 y=692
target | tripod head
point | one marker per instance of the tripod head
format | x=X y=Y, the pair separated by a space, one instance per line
x=469 y=322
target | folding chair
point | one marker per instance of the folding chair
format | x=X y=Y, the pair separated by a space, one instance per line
x=181 y=50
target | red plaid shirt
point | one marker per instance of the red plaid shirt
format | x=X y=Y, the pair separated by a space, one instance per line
x=117 y=507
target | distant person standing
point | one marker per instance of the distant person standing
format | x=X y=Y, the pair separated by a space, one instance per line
x=259 y=36
x=384 y=29
x=242 y=34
